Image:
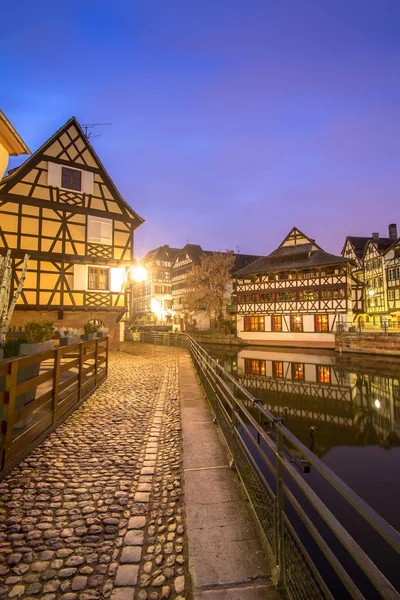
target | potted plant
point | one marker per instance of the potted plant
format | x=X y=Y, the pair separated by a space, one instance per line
x=90 y=328
x=69 y=336
x=102 y=332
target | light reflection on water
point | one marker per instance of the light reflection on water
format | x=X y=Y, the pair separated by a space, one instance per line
x=353 y=401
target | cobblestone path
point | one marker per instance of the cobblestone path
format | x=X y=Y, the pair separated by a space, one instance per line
x=95 y=511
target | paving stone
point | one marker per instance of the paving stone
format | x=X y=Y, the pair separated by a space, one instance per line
x=131 y=554
x=123 y=594
x=134 y=537
x=126 y=575
x=136 y=522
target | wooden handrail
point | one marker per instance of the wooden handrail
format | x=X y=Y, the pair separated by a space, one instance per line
x=30 y=409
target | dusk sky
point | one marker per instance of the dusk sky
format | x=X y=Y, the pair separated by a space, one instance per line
x=232 y=121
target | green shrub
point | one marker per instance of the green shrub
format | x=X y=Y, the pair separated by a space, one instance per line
x=39 y=331
x=11 y=347
x=90 y=327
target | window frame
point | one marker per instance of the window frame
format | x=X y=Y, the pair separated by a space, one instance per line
x=92 y=239
x=296 y=326
x=274 y=328
x=255 y=366
x=254 y=323
x=71 y=171
x=324 y=369
x=294 y=371
x=98 y=288
x=321 y=329
x=277 y=369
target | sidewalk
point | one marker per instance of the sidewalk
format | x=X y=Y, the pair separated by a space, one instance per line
x=226 y=560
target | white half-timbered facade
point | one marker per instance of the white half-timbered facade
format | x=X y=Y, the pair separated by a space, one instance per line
x=297 y=294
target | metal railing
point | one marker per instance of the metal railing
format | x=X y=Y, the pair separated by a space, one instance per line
x=39 y=391
x=316 y=556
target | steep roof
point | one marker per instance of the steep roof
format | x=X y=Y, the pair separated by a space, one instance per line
x=242 y=260
x=171 y=253
x=293 y=255
x=16 y=173
x=359 y=243
x=10 y=138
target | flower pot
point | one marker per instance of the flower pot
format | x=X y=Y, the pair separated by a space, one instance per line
x=89 y=336
x=69 y=339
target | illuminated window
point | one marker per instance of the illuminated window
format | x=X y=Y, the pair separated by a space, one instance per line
x=253 y=366
x=323 y=374
x=254 y=323
x=277 y=369
x=276 y=323
x=296 y=323
x=321 y=323
x=298 y=371
x=308 y=295
x=98 y=278
x=71 y=179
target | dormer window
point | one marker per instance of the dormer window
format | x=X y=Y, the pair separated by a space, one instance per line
x=71 y=179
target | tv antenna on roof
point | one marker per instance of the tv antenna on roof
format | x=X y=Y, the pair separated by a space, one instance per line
x=90 y=134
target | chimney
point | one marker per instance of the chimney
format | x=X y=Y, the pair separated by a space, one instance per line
x=375 y=236
x=393 y=232
x=166 y=246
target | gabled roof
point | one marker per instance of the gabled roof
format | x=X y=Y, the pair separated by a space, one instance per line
x=20 y=171
x=242 y=260
x=359 y=244
x=308 y=254
x=381 y=245
x=10 y=138
x=169 y=253
x=393 y=245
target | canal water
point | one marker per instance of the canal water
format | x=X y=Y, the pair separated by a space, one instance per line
x=352 y=401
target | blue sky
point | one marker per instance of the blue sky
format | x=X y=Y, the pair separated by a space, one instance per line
x=232 y=121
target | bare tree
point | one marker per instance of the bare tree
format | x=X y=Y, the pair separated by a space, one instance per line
x=208 y=283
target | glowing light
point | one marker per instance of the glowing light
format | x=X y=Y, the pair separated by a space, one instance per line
x=137 y=273
x=371 y=292
x=377 y=404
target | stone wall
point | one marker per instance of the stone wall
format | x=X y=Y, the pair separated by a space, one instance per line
x=368 y=343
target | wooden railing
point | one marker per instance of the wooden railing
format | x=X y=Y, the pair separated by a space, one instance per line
x=38 y=392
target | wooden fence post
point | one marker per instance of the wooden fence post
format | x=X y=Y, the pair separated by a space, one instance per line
x=80 y=368
x=56 y=381
x=11 y=387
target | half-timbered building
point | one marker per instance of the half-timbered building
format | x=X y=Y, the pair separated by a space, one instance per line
x=62 y=208
x=372 y=258
x=296 y=295
x=392 y=266
x=152 y=298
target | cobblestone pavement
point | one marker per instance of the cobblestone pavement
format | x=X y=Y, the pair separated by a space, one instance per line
x=96 y=510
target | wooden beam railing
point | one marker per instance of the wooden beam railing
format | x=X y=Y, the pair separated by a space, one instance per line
x=40 y=391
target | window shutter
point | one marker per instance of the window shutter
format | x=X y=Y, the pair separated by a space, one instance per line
x=87 y=182
x=106 y=232
x=53 y=174
x=94 y=230
x=80 y=277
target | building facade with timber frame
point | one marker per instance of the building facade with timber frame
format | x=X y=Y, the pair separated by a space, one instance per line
x=62 y=208
x=297 y=294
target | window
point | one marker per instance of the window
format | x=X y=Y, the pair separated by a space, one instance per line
x=296 y=323
x=277 y=369
x=254 y=323
x=321 y=323
x=254 y=366
x=323 y=374
x=331 y=294
x=308 y=295
x=391 y=294
x=100 y=230
x=71 y=179
x=285 y=296
x=98 y=278
x=298 y=371
x=276 y=323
